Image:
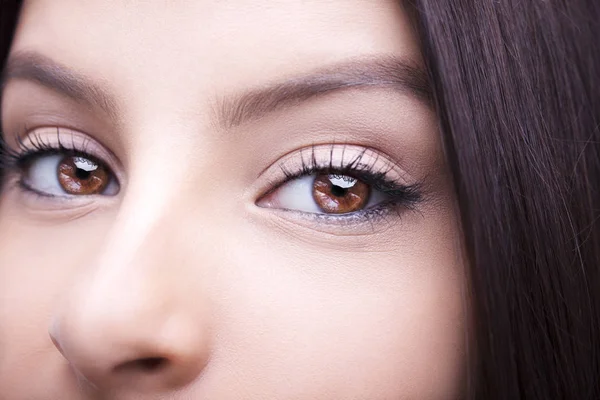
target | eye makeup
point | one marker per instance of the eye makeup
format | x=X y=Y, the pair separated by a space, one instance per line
x=384 y=187
x=60 y=163
x=334 y=184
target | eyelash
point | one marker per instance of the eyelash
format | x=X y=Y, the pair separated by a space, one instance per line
x=36 y=146
x=401 y=196
x=15 y=161
x=405 y=196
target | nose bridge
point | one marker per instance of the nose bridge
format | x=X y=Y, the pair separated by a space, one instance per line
x=130 y=310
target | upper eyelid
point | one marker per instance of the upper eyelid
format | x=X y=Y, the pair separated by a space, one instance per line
x=343 y=157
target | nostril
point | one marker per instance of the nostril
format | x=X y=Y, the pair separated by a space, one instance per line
x=148 y=364
x=152 y=363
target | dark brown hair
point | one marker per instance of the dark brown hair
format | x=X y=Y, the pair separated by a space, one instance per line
x=517 y=89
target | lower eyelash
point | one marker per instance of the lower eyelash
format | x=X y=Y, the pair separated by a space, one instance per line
x=371 y=217
x=371 y=214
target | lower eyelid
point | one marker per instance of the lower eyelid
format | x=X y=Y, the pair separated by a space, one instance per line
x=366 y=222
x=40 y=202
x=365 y=214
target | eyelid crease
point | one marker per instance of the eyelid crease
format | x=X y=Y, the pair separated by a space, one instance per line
x=340 y=157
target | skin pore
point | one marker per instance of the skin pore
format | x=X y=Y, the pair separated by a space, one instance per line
x=233 y=199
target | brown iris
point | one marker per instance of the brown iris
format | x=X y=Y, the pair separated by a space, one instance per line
x=340 y=194
x=82 y=176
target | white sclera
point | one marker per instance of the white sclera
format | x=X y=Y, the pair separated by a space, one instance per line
x=297 y=194
x=42 y=175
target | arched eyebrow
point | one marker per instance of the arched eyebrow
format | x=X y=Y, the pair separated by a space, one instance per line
x=233 y=110
x=388 y=72
x=37 y=68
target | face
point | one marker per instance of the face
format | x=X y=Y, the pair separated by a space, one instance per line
x=225 y=200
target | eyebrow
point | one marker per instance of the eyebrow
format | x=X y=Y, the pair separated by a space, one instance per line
x=379 y=72
x=401 y=75
x=35 y=67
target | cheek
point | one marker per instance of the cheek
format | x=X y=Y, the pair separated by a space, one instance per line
x=374 y=326
x=39 y=263
x=288 y=320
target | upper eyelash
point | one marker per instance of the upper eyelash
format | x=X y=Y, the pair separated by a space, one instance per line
x=36 y=146
x=378 y=179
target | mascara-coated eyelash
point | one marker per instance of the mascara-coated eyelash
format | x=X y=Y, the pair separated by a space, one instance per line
x=49 y=166
x=339 y=182
x=35 y=145
x=364 y=172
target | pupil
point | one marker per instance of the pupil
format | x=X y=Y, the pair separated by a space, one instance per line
x=338 y=191
x=82 y=174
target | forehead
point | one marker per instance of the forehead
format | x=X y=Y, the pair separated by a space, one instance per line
x=167 y=61
x=217 y=39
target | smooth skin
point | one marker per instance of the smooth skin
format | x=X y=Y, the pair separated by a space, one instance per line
x=195 y=279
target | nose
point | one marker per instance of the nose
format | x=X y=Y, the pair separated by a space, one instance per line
x=132 y=323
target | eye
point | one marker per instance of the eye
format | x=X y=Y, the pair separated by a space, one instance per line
x=324 y=194
x=75 y=175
